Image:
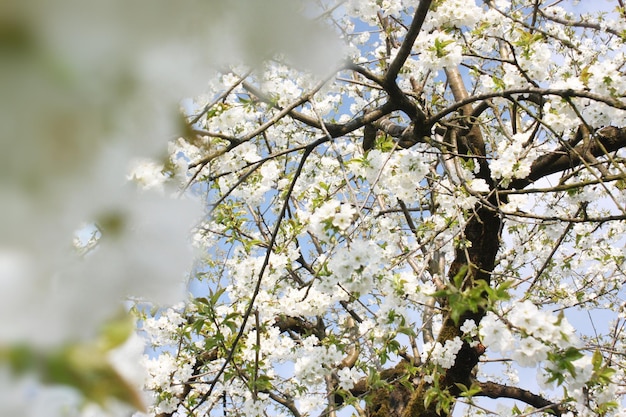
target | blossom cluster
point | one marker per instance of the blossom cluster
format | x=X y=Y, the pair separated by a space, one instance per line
x=531 y=337
x=442 y=355
x=398 y=173
x=514 y=159
x=540 y=333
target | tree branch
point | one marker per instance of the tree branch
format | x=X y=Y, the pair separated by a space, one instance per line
x=532 y=92
x=608 y=139
x=473 y=141
x=494 y=390
x=407 y=43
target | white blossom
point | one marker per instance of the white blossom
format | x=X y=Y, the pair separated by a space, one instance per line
x=514 y=159
x=438 y=50
x=347 y=377
x=495 y=334
x=443 y=355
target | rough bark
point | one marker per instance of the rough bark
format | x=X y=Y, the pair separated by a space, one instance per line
x=482 y=231
x=604 y=141
x=494 y=390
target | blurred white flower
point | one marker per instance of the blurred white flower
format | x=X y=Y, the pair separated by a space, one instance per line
x=147 y=173
x=87 y=87
x=127 y=360
x=144 y=251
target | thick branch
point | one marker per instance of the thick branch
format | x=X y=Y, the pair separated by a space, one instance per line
x=457 y=86
x=608 y=139
x=300 y=326
x=494 y=390
x=409 y=40
x=474 y=261
x=473 y=141
x=385 y=401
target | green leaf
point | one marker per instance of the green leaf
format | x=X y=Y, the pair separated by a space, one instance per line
x=232 y=325
x=87 y=369
x=20 y=358
x=460 y=276
x=116 y=331
x=385 y=143
x=431 y=394
x=263 y=383
x=571 y=354
x=83 y=366
x=440 y=47
x=605 y=375
x=468 y=392
x=596 y=360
